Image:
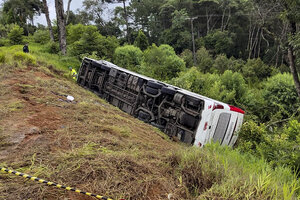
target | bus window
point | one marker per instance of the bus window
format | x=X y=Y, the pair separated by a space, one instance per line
x=221 y=128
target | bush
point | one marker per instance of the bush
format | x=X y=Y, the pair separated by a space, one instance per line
x=2 y=57
x=256 y=70
x=15 y=36
x=129 y=57
x=4 y=42
x=250 y=136
x=52 y=47
x=281 y=97
x=161 y=62
x=229 y=87
x=25 y=58
x=196 y=81
x=282 y=147
x=41 y=36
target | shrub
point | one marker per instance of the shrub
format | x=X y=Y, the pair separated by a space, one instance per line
x=281 y=97
x=4 y=42
x=196 y=81
x=41 y=36
x=92 y=55
x=2 y=57
x=161 y=62
x=129 y=57
x=25 y=58
x=250 y=136
x=255 y=70
x=282 y=148
x=52 y=47
x=15 y=36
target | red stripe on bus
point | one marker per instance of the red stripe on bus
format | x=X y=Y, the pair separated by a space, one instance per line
x=235 y=109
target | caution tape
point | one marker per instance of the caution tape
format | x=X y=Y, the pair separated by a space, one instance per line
x=51 y=183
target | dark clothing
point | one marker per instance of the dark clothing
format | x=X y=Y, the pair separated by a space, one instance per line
x=25 y=49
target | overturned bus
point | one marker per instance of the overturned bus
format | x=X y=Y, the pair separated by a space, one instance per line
x=190 y=117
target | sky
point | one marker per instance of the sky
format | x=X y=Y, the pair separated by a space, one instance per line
x=75 y=4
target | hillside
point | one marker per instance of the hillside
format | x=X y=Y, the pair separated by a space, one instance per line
x=95 y=147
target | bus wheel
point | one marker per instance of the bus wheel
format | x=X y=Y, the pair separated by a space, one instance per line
x=154 y=85
x=151 y=90
x=169 y=91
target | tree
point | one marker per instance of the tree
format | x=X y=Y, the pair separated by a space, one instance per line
x=177 y=36
x=21 y=12
x=68 y=11
x=129 y=57
x=46 y=11
x=59 y=6
x=218 y=42
x=141 y=41
x=91 y=42
x=93 y=10
x=161 y=62
x=292 y=16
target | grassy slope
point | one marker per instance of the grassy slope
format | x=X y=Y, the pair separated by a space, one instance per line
x=93 y=146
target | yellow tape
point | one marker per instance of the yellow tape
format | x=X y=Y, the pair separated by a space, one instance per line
x=52 y=184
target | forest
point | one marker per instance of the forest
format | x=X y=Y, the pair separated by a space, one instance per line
x=242 y=52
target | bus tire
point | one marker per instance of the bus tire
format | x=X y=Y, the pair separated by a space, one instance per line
x=151 y=90
x=169 y=91
x=154 y=85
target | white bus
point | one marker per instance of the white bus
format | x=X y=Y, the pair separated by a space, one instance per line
x=181 y=114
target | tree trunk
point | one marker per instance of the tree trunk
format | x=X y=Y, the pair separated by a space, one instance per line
x=48 y=20
x=59 y=6
x=68 y=11
x=126 y=20
x=292 y=59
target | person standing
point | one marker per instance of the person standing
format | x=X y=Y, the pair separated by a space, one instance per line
x=25 y=48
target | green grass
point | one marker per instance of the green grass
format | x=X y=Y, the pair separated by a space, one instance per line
x=39 y=53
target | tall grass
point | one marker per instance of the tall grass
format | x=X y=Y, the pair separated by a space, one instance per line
x=217 y=172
